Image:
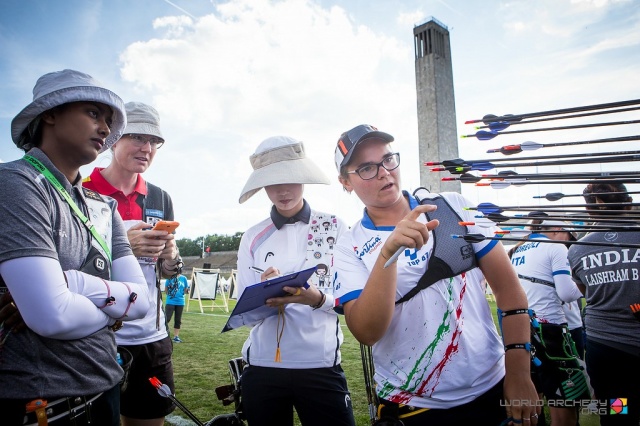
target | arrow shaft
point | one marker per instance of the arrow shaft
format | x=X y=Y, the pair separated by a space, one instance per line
x=516 y=232
x=185 y=410
x=517 y=179
x=557 y=196
x=629 y=220
x=559 y=176
x=551 y=210
x=596 y=228
x=558 y=144
x=585 y=218
x=582 y=243
x=538 y=157
x=501 y=185
x=513 y=121
x=560 y=111
x=589 y=160
x=165 y=392
x=549 y=129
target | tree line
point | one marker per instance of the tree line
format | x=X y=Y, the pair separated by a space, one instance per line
x=212 y=243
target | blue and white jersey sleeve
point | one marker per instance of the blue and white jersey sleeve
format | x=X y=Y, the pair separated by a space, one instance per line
x=566 y=288
x=353 y=275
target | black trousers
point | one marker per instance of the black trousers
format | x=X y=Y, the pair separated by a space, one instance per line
x=319 y=396
x=168 y=312
x=615 y=374
x=486 y=410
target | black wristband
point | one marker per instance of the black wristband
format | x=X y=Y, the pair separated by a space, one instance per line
x=322 y=300
x=519 y=311
x=526 y=346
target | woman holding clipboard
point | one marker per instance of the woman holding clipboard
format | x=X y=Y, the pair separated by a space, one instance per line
x=293 y=358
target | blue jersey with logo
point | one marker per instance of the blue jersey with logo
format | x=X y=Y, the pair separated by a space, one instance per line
x=175 y=290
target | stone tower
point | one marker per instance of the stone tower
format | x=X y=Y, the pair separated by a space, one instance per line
x=437 y=133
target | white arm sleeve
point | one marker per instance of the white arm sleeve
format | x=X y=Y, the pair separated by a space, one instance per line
x=128 y=278
x=567 y=289
x=47 y=306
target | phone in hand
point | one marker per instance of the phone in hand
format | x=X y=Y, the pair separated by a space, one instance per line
x=166 y=225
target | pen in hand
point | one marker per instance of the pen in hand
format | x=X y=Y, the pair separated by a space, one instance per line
x=258 y=270
x=394 y=257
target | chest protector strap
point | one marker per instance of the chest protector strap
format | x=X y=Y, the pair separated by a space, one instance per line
x=97 y=262
x=450 y=256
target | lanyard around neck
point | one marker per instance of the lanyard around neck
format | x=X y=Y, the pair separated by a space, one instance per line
x=57 y=185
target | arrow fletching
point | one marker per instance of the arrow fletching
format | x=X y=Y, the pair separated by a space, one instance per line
x=484 y=135
x=515 y=232
x=552 y=196
x=487 y=208
x=155 y=382
x=487 y=119
x=531 y=146
x=496 y=184
x=471 y=238
x=499 y=126
x=163 y=389
x=481 y=222
x=497 y=217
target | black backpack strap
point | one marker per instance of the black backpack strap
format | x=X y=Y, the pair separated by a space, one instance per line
x=156 y=205
x=157 y=202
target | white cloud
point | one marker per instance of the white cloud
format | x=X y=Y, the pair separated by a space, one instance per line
x=226 y=81
x=410 y=19
x=518 y=26
x=227 y=74
x=598 y=4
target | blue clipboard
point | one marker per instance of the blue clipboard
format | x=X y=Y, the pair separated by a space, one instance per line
x=251 y=308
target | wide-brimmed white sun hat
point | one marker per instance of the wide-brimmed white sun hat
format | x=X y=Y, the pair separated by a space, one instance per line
x=280 y=160
x=62 y=87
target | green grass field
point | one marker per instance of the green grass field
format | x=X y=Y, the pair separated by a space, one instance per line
x=201 y=365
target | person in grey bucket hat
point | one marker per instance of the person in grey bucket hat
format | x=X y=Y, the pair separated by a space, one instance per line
x=141 y=205
x=61 y=87
x=142 y=119
x=68 y=277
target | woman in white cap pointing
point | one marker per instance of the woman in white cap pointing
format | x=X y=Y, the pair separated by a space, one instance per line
x=65 y=259
x=294 y=357
x=438 y=359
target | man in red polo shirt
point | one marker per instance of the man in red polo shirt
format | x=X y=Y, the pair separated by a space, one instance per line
x=141 y=205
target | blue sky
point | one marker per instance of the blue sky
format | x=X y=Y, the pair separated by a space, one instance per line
x=226 y=75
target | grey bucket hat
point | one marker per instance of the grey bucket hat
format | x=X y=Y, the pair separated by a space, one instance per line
x=142 y=119
x=62 y=87
x=280 y=160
